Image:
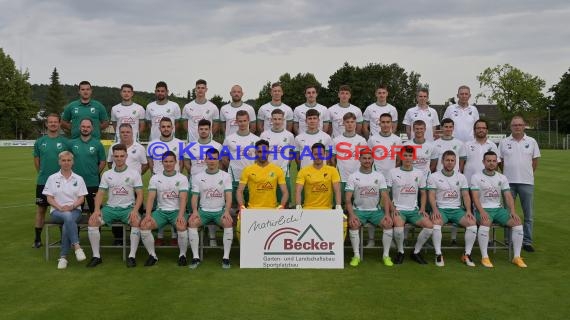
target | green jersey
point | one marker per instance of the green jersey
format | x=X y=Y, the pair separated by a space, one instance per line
x=47 y=150
x=77 y=111
x=87 y=156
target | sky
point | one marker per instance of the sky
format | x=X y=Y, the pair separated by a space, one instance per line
x=252 y=42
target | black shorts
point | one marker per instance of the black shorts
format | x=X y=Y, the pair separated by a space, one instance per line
x=41 y=199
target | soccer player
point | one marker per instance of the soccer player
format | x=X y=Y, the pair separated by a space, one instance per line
x=476 y=148
x=213 y=188
x=405 y=182
x=161 y=108
x=304 y=141
x=424 y=149
x=46 y=151
x=128 y=112
x=447 y=189
x=65 y=192
x=347 y=150
x=422 y=111
x=228 y=112
x=448 y=142
x=344 y=106
x=486 y=188
x=136 y=159
x=520 y=154
x=371 y=125
x=299 y=113
x=200 y=109
x=89 y=156
x=385 y=145
x=121 y=184
x=463 y=114
x=83 y=108
x=264 y=113
x=170 y=189
x=369 y=190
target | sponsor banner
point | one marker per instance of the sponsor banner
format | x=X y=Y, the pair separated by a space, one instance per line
x=17 y=143
x=291 y=239
x=496 y=138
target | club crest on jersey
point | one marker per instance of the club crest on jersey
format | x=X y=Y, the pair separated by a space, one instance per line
x=92 y=110
x=92 y=149
x=75 y=110
x=177 y=183
x=221 y=182
x=59 y=145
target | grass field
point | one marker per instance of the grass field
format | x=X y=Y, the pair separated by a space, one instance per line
x=31 y=288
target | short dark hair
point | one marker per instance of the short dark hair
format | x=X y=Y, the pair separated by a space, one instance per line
x=479 y=121
x=489 y=153
x=126 y=85
x=386 y=114
x=84 y=82
x=419 y=123
x=212 y=151
x=448 y=153
x=276 y=84
x=262 y=142
x=168 y=154
x=242 y=113
x=318 y=145
x=161 y=84
x=349 y=115
x=165 y=119
x=119 y=146
x=201 y=81
x=425 y=90
x=125 y=125
x=204 y=122
x=54 y=115
x=345 y=87
x=408 y=149
x=278 y=111
x=447 y=120
x=311 y=86
x=382 y=86
x=312 y=112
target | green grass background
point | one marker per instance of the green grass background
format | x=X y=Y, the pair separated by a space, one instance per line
x=31 y=288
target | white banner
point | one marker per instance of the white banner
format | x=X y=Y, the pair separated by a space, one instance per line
x=291 y=239
x=17 y=143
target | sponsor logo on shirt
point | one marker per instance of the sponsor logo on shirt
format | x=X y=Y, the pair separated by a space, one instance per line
x=320 y=188
x=213 y=193
x=119 y=191
x=169 y=195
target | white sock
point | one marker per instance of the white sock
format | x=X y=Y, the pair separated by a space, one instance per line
x=387 y=236
x=436 y=237
x=483 y=237
x=95 y=240
x=135 y=239
x=470 y=236
x=371 y=230
x=422 y=238
x=228 y=238
x=517 y=239
x=182 y=242
x=212 y=228
x=160 y=233
x=148 y=242
x=354 y=236
x=453 y=233
x=399 y=236
x=194 y=242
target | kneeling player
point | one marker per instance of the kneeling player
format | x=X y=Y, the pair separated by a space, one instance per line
x=446 y=190
x=213 y=188
x=368 y=186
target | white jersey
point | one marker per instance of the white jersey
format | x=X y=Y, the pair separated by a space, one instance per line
x=300 y=115
x=463 y=119
x=453 y=144
x=281 y=145
x=385 y=150
x=157 y=145
x=132 y=114
x=241 y=151
x=447 y=188
x=136 y=156
x=490 y=188
x=121 y=186
x=517 y=157
x=194 y=112
x=197 y=155
x=367 y=189
x=428 y=115
x=264 y=114
x=424 y=154
x=374 y=111
x=211 y=187
x=337 y=113
x=168 y=189
x=65 y=191
x=345 y=149
x=155 y=112
x=228 y=115
x=475 y=152
x=305 y=141
x=405 y=187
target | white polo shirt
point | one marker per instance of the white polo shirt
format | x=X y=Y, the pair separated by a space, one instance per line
x=517 y=158
x=121 y=186
x=228 y=115
x=344 y=148
x=305 y=141
x=475 y=152
x=277 y=142
x=264 y=114
x=132 y=114
x=168 y=189
x=155 y=112
x=136 y=156
x=194 y=112
x=490 y=188
x=374 y=111
x=337 y=113
x=198 y=159
x=241 y=152
x=65 y=191
x=300 y=115
x=212 y=187
x=428 y=115
x=405 y=187
x=424 y=154
x=367 y=189
x=171 y=145
x=447 y=188
x=463 y=119
x=453 y=144
x=384 y=155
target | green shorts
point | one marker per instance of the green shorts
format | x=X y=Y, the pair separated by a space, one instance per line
x=499 y=215
x=114 y=214
x=451 y=215
x=235 y=185
x=411 y=216
x=211 y=216
x=372 y=216
x=164 y=217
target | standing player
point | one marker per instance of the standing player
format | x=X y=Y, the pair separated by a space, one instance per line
x=371 y=125
x=344 y=106
x=476 y=148
x=228 y=112
x=299 y=113
x=463 y=114
x=46 y=151
x=424 y=149
x=121 y=184
x=448 y=142
x=83 y=108
x=161 y=108
x=264 y=113
x=305 y=141
x=200 y=109
x=370 y=192
x=385 y=145
x=487 y=187
x=128 y=112
x=170 y=189
x=422 y=111
x=213 y=188
x=448 y=189
x=136 y=159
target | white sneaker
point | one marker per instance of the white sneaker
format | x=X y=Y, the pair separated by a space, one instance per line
x=213 y=243
x=370 y=244
x=62 y=263
x=439 y=261
x=80 y=255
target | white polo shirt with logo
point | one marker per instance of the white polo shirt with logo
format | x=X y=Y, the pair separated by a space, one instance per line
x=463 y=119
x=65 y=191
x=517 y=158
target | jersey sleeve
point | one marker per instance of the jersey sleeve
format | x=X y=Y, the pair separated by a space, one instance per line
x=350 y=183
x=110 y=154
x=101 y=152
x=185 y=112
x=366 y=115
x=394 y=114
x=152 y=184
x=474 y=183
x=335 y=175
x=222 y=116
x=216 y=116
x=382 y=182
x=49 y=187
x=137 y=183
x=147 y=114
x=431 y=184
x=301 y=176
x=462 y=151
x=296 y=116
x=114 y=117
x=103 y=116
x=422 y=181
x=289 y=114
x=504 y=183
x=447 y=113
x=183 y=186
x=82 y=187
x=252 y=116
x=359 y=118
x=195 y=185
x=435 y=121
x=36 y=151
x=408 y=118
x=536 y=150
x=244 y=175
x=326 y=116
x=389 y=181
x=66 y=115
x=103 y=184
x=176 y=113
x=228 y=183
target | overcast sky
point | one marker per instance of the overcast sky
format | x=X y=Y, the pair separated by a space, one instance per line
x=251 y=42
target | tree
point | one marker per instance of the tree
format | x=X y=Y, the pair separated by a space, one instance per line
x=515 y=92
x=561 y=102
x=16 y=105
x=55 y=100
x=218 y=101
